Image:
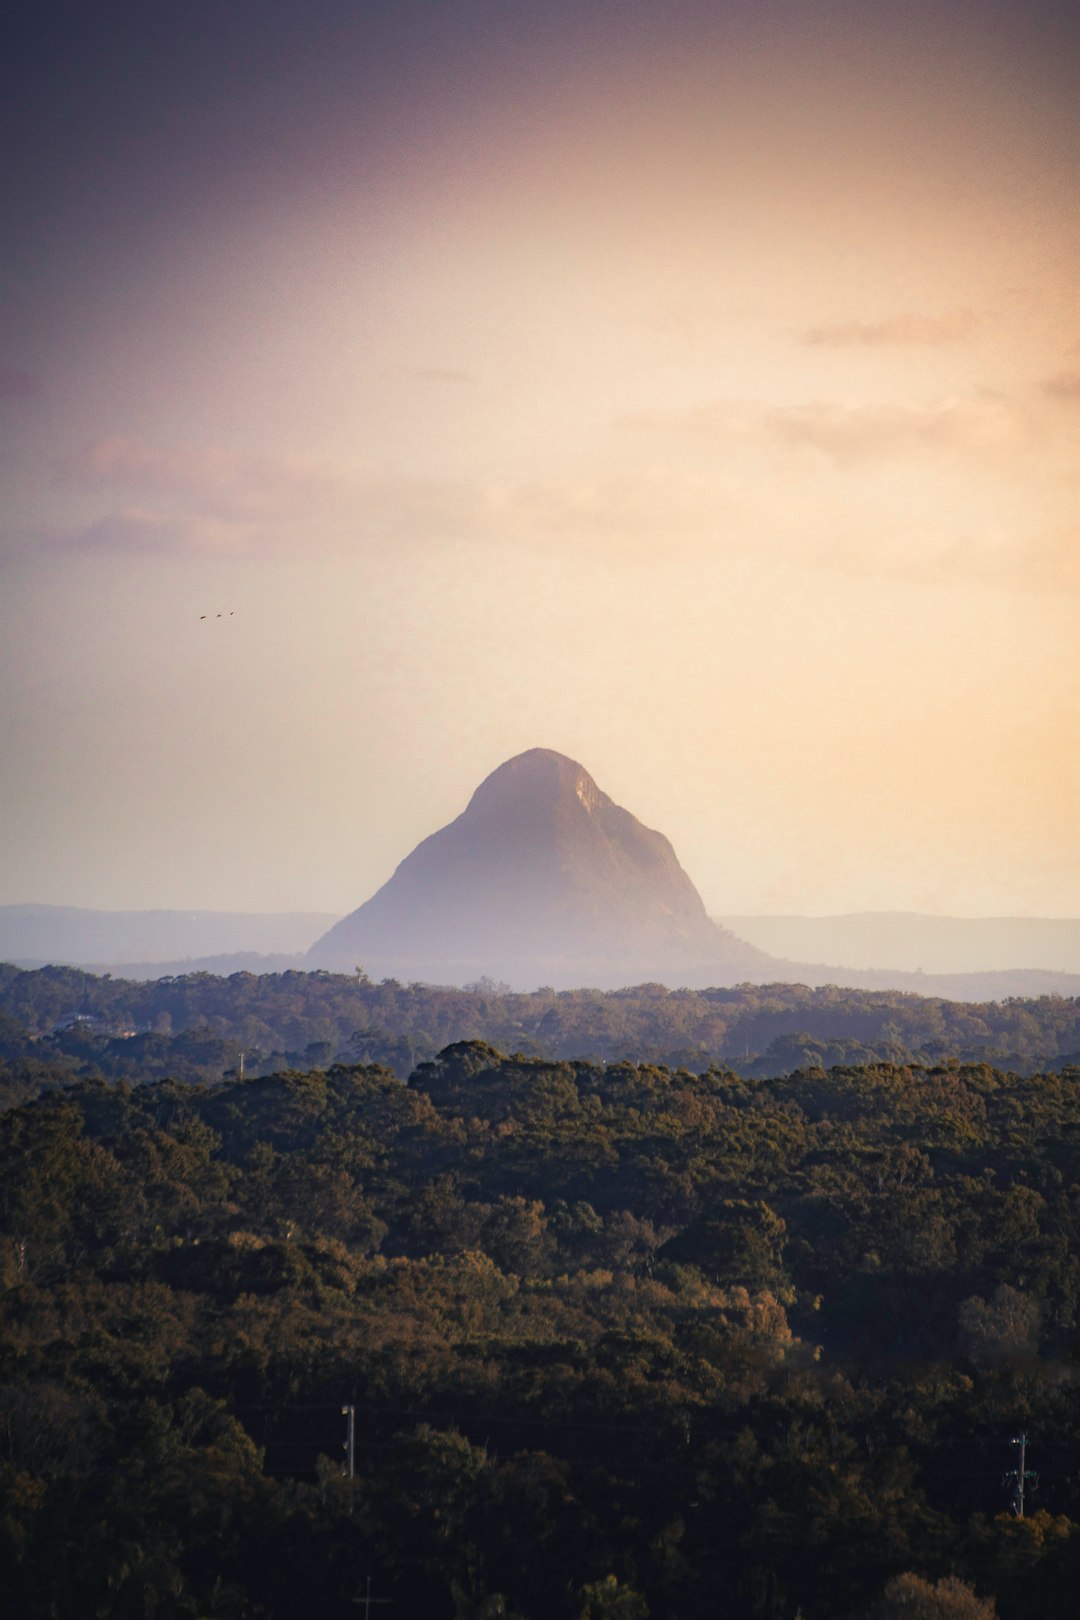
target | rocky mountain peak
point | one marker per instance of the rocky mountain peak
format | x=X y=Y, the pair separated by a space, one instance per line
x=538 y=774
x=541 y=878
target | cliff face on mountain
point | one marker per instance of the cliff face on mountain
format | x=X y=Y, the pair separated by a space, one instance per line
x=541 y=878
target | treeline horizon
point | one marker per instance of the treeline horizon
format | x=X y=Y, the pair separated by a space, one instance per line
x=199 y=1027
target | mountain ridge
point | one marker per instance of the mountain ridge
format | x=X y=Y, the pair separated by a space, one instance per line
x=87 y=936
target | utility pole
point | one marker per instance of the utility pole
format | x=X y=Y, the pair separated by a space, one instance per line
x=349 y=1448
x=367 y=1600
x=1019 y=1476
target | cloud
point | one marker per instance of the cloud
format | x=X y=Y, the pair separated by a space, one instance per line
x=851 y=432
x=232 y=485
x=215 y=499
x=873 y=430
x=16 y=384
x=439 y=374
x=149 y=533
x=130 y=531
x=1064 y=386
x=212 y=500
x=900 y=331
x=639 y=508
x=628 y=509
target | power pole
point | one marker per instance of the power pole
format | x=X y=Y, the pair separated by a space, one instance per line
x=349 y=1448
x=367 y=1600
x=1017 y=1477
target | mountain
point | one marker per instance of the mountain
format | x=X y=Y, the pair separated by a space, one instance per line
x=542 y=878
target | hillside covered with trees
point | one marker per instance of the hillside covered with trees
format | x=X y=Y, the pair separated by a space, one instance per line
x=197 y=1026
x=620 y=1341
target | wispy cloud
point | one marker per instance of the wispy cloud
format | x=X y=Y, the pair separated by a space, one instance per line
x=899 y=331
x=209 y=498
x=1064 y=386
x=851 y=432
x=210 y=502
x=149 y=533
x=212 y=499
x=130 y=531
x=230 y=484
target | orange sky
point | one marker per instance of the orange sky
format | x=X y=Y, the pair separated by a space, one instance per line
x=694 y=390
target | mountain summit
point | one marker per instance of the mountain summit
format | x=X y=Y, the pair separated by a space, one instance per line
x=542 y=878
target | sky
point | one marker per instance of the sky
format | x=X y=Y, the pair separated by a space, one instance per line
x=692 y=388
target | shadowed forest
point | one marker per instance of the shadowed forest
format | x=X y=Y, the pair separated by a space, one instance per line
x=622 y=1340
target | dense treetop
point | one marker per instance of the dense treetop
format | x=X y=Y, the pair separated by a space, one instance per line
x=619 y=1338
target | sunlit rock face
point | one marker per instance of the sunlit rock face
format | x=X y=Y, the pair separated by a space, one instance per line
x=541 y=879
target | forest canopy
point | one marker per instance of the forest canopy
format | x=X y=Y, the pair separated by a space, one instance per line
x=198 y=1026
x=617 y=1337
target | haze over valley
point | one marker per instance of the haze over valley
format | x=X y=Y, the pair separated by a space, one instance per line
x=911 y=941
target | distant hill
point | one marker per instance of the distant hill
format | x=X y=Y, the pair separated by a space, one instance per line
x=909 y=942
x=771 y=970
x=541 y=879
x=220 y=966
x=71 y=934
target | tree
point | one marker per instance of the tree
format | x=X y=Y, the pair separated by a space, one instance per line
x=610 y=1599
x=909 y=1597
x=1000 y=1328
